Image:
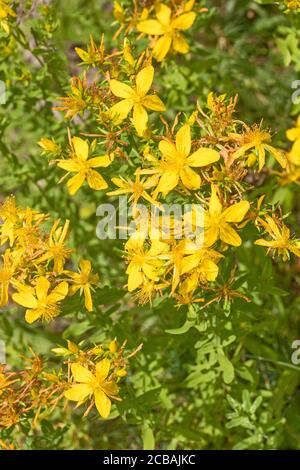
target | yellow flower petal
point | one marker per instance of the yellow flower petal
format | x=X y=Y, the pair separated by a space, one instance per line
x=211 y=235
x=293 y=134
x=211 y=270
x=162 y=48
x=81 y=147
x=215 y=206
x=158 y=247
x=81 y=374
x=88 y=301
x=163 y=14
x=140 y=119
x=78 y=392
x=25 y=299
x=294 y=155
x=144 y=80
x=59 y=292
x=135 y=279
x=42 y=287
x=203 y=157
x=229 y=235
x=151 y=27
x=167 y=182
x=168 y=150
x=103 y=403
x=261 y=157
x=154 y=103
x=189 y=5
x=180 y=44
x=269 y=243
x=69 y=165
x=103 y=161
x=150 y=271
x=184 y=21
x=189 y=263
x=190 y=178
x=111 y=389
x=278 y=155
x=85 y=266
x=95 y=180
x=183 y=140
x=236 y=212
x=102 y=369
x=32 y=315
x=120 y=111
x=75 y=183
x=121 y=90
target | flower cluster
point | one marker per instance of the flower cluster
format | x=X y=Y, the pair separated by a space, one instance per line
x=33 y=271
x=208 y=157
x=28 y=392
x=35 y=391
x=95 y=374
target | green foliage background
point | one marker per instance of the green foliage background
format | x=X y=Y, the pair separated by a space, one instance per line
x=219 y=378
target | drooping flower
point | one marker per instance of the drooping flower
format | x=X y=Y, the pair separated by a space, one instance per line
x=259 y=140
x=80 y=164
x=136 y=98
x=40 y=303
x=55 y=247
x=98 y=386
x=169 y=28
x=281 y=241
x=84 y=280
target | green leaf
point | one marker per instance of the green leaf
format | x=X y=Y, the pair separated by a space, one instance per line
x=148 y=438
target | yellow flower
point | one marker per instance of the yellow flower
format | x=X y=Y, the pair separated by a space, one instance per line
x=127 y=53
x=40 y=303
x=118 y=12
x=281 y=241
x=169 y=28
x=177 y=163
x=5 y=12
x=143 y=263
x=292 y=171
x=55 y=247
x=257 y=139
x=84 y=280
x=136 y=188
x=217 y=220
x=294 y=155
x=83 y=167
x=292 y=4
x=7 y=271
x=204 y=260
x=94 y=55
x=9 y=213
x=137 y=99
x=294 y=133
x=49 y=145
x=96 y=385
